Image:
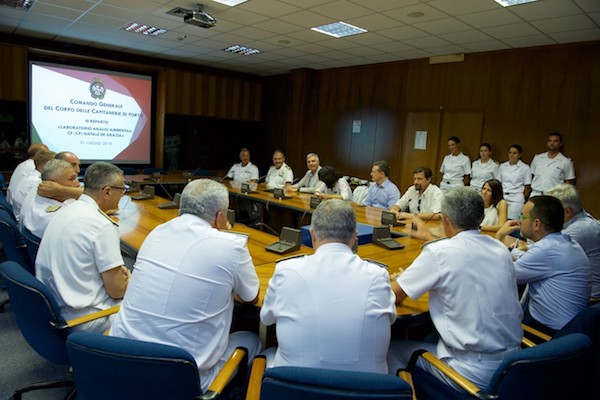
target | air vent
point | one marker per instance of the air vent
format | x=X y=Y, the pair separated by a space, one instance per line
x=178 y=12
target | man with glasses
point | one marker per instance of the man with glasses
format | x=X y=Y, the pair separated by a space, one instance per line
x=423 y=198
x=555 y=267
x=80 y=256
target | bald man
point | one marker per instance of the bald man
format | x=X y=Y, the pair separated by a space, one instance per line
x=23 y=170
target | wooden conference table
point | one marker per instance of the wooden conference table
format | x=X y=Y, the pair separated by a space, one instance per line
x=137 y=218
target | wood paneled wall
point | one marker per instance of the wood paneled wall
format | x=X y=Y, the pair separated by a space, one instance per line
x=523 y=94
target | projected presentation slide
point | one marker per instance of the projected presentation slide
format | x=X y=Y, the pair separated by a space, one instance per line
x=96 y=114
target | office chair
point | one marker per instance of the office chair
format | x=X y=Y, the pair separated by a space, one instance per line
x=149 y=171
x=106 y=367
x=40 y=321
x=552 y=370
x=32 y=244
x=3 y=184
x=129 y=171
x=298 y=383
x=12 y=241
x=201 y=172
x=4 y=204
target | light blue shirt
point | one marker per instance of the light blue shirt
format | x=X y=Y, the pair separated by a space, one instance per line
x=382 y=196
x=558 y=273
x=585 y=230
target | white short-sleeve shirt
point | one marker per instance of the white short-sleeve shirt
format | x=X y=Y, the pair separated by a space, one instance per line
x=243 y=173
x=548 y=172
x=277 y=178
x=483 y=172
x=80 y=243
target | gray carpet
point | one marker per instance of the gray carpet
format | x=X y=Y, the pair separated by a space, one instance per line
x=20 y=365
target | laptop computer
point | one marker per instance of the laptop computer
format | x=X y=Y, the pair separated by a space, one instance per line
x=245 y=188
x=382 y=238
x=289 y=240
x=280 y=194
x=389 y=218
x=172 y=204
x=147 y=193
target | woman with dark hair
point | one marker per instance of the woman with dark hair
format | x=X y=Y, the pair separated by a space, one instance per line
x=456 y=167
x=332 y=185
x=515 y=176
x=496 y=208
x=483 y=169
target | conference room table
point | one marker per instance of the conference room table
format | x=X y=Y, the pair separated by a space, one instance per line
x=137 y=218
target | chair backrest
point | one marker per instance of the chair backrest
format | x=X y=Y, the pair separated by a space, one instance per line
x=360 y=194
x=129 y=171
x=293 y=383
x=106 y=367
x=12 y=242
x=551 y=370
x=36 y=312
x=148 y=171
x=32 y=244
x=4 y=204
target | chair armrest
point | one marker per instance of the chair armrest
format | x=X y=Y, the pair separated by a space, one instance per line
x=527 y=343
x=457 y=378
x=87 y=318
x=256 y=377
x=238 y=359
x=535 y=332
x=403 y=374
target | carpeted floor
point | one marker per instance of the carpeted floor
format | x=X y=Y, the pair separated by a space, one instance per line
x=20 y=365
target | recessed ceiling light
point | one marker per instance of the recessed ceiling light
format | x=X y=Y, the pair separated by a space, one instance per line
x=508 y=3
x=416 y=14
x=19 y=4
x=339 y=29
x=143 y=29
x=245 y=51
x=230 y=2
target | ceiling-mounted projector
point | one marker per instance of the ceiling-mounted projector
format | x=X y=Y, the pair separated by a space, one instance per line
x=199 y=18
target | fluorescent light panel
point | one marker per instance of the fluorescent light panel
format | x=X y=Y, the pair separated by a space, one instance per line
x=508 y=3
x=339 y=29
x=143 y=29
x=242 y=50
x=231 y=3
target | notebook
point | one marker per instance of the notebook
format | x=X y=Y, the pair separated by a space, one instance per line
x=382 y=237
x=289 y=240
x=172 y=204
x=147 y=193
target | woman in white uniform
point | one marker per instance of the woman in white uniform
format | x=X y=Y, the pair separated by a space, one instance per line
x=515 y=176
x=332 y=186
x=483 y=169
x=495 y=207
x=456 y=167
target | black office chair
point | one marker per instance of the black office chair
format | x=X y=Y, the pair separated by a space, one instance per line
x=298 y=383
x=40 y=321
x=106 y=367
x=551 y=370
x=12 y=242
x=129 y=171
x=151 y=170
x=4 y=204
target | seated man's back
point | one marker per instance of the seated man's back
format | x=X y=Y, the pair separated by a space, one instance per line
x=332 y=309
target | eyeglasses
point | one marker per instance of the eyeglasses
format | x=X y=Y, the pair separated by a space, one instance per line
x=523 y=217
x=121 y=188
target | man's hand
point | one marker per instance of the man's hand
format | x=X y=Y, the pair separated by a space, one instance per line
x=509 y=227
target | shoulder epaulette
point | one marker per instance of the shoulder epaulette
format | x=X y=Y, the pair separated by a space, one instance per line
x=54 y=208
x=434 y=241
x=108 y=217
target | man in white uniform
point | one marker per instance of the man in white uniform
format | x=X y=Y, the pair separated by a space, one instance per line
x=332 y=309
x=309 y=181
x=56 y=191
x=280 y=175
x=582 y=228
x=475 y=335
x=551 y=167
x=24 y=169
x=244 y=171
x=186 y=276
x=456 y=167
x=423 y=198
x=37 y=210
x=30 y=182
x=80 y=256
